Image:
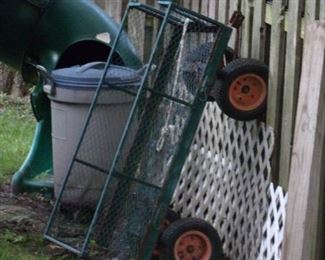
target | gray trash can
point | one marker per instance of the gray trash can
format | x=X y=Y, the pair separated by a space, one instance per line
x=71 y=96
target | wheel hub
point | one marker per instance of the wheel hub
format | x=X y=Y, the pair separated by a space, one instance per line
x=193 y=245
x=247 y=92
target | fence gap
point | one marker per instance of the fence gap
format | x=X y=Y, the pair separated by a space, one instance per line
x=276 y=77
x=322 y=10
x=291 y=80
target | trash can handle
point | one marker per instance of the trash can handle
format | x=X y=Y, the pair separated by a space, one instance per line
x=49 y=84
x=92 y=65
x=45 y=75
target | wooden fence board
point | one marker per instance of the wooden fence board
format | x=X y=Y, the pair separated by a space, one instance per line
x=292 y=70
x=100 y=3
x=213 y=10
x=233 y=6
x=114 y=9
x=196 y=5
x=222 y=11
x=307 y=165
x=276 y=76
x=258 y=30
x=136 y=28
x=246 y=36
x=187 y=3
x=205 y=7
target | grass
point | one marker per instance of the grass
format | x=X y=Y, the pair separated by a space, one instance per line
x=18 y=246
x=16 y=131
x=17 y=125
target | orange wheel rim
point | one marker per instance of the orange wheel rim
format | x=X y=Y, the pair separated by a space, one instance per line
x=247 y=92
x=193 y=245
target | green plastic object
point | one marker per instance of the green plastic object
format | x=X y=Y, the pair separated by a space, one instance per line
x=124 y=220
x=54 y=34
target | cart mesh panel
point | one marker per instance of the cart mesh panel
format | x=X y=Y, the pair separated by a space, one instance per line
x=127 y=178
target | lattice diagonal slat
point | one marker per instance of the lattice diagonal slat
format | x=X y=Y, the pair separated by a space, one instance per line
x=273 y=228
x=226 y=181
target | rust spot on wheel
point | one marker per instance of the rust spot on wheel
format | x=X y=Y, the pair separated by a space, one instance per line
x=247 y=92
x=193 y=245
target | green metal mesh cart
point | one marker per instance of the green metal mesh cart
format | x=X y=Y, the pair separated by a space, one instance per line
x=181 y=52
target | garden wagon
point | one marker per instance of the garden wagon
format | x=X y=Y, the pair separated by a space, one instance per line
x=179 y=76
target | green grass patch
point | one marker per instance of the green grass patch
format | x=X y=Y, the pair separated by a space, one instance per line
x=20 y=247
x=17 y=125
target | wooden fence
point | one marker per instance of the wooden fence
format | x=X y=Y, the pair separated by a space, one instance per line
x=273 y=32
x=305 y=229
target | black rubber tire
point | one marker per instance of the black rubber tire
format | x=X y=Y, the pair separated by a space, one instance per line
x=228 y=75
x=230 y=55
x=170 y=236
x=170 y=217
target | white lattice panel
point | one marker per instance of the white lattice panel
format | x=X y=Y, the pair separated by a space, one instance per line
x=273 y=227
x=226 y=181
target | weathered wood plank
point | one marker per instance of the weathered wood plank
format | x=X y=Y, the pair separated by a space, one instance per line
x=136 y=30
x=276 y=77
x=100 y=3
x=187 y=3
x=307 y=164
x=258 y=30
x=292 y=73
x=205 y=7
x=196 y=5
x=114 y=9
x=223 y=11
x=247 y=9
x=233 y=6
x=268 y=18
x=213 y=10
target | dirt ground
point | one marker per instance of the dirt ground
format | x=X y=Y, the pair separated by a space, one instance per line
x=26 y=215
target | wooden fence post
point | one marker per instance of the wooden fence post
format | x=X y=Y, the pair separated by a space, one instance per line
x=307 y=165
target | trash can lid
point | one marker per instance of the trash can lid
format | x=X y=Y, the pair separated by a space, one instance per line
x=89 y=75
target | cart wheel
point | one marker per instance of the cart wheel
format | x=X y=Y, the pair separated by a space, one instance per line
x=230 y=55
x=171 y=217
x=244 y=92
x=190 y=238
